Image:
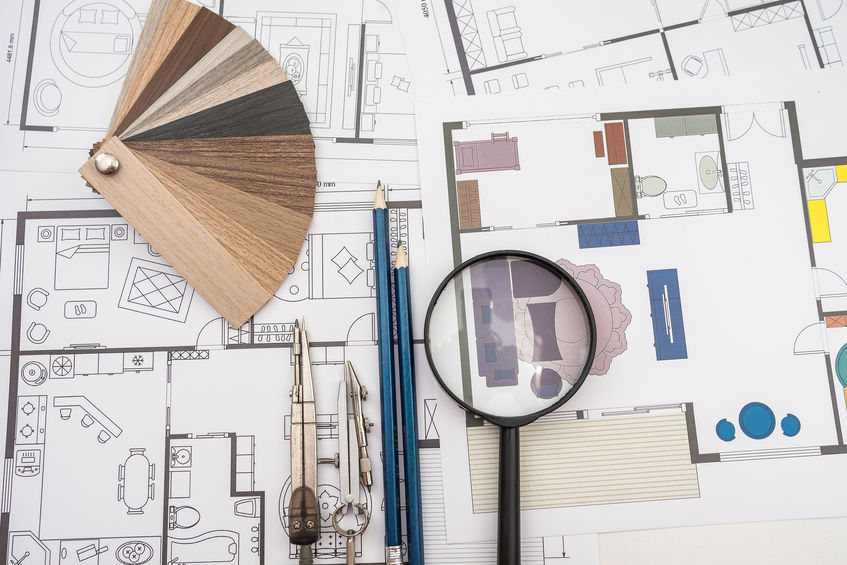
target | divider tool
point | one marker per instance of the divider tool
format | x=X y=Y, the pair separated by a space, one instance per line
x=351 y=517
x=303 y=515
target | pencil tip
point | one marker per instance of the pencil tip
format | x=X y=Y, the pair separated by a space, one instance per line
x=402 y=260
x=379 y=201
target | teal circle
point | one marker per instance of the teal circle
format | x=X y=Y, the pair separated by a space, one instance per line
x=841 y=365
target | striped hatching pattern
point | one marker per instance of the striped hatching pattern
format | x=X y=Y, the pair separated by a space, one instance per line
x=436 y=548
x=594 y=461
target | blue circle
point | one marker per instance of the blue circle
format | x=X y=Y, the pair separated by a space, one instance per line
x=757 y=420
x=790 y=425
x=725 y=430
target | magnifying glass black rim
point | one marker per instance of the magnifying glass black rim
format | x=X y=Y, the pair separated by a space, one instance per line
x=514 y=421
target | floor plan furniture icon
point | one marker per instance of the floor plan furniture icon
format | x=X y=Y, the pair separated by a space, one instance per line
x=37 y=298
x=546 y=384
x=33 y=373
x=156 y=289
x=493 y=316
x=725 y=430
x=790 y=425
x=615 y=143
x=492 y=86
x=673 y=126
x=37 y=333
x=819 y=221
x=693 y=65
x=135 y=481
x=82 y=258
x=508 y=39
x=666 y=312
x=182 y=517
x=91 y=413
x=134 y=552
x=757 y=420
x=217 y=546
x=608 y=234
x=500 y=153
x=100 y=32
x=520 y=80
x=468 y=196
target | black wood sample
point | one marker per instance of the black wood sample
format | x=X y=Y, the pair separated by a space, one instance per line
x=276 y=110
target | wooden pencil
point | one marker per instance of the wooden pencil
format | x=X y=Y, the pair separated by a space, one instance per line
x=388 y=397
x=408 y=407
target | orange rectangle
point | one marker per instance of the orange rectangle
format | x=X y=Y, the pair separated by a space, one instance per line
x=599 y=150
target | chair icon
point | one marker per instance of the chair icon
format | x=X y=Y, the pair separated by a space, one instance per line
x=37 y=333
x=37 y=298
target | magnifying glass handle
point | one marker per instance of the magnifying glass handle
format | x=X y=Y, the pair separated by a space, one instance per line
x=509 y=501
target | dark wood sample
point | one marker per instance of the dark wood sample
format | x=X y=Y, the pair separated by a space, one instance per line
x=276 y=110
x=201 y=35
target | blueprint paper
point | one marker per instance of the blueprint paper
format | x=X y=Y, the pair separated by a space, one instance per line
x=142 y=428
x=709 y=301
x=464 y=47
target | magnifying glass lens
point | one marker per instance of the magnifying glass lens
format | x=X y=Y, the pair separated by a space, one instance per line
x=509 y=335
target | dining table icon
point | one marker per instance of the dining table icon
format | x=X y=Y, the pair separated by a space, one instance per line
x=136 y=481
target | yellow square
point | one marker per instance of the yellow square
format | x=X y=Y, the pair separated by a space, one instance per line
x=819 y=221
x=841 y=173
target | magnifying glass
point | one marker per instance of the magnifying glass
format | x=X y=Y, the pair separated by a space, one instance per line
x=510 y=336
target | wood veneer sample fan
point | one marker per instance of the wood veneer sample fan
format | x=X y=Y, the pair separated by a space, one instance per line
x=209 y=156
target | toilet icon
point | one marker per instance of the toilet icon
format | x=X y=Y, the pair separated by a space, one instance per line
x=182 y=517
x=649 y=186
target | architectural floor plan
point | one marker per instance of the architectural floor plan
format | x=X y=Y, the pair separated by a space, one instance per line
x=703 y=226
x=496 y=46
x=140 y=427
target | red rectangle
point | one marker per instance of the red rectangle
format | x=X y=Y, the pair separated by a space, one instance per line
x=599 y=150
x=615 y=144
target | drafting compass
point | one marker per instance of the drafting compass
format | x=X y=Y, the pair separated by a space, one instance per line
x=351 y=517
x=304 y=520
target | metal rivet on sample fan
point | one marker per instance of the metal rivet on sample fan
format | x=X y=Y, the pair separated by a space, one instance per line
x=106 y=164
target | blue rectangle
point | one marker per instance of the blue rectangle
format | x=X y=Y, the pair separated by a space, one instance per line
x=608 y=234
x=504 y=375
x=485 y=314
x=666 y=312
x=491 y=352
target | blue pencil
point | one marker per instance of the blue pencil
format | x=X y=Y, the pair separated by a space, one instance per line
x=406 y=363
x=388 y=397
